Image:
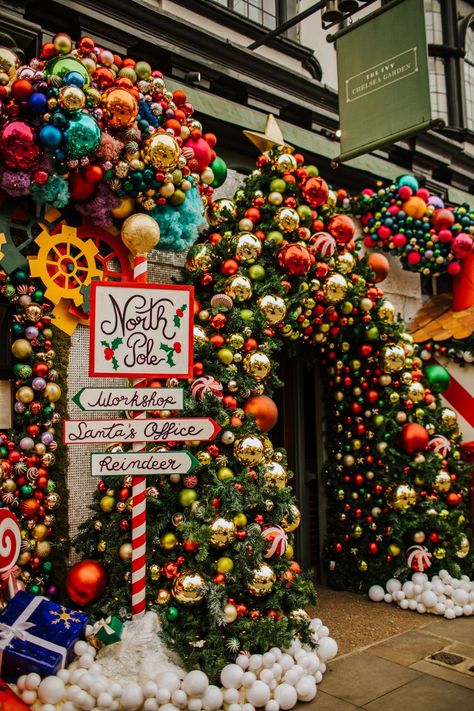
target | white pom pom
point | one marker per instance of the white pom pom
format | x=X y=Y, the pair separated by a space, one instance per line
x=243 y=661
x=163 y=696
x=286 y=696
x=51 y=690
x=306 y=689
x=460 y=597
x=268 y=660
x=248 y=679
x=286 y=662
x=179 y=698
x=212 y=699
x=255 y=662
x=132 y=697
x=168 y=680
x=272 y=705
x=231 y=676
x=393 y=585
x=429 y=599
x=105 y=700
x=327 y=649
x=376 y=593
x=29 y=696
x=258 y=694
x=195 y=683
x=151 y=704
x=194 y=704
x=81 y=648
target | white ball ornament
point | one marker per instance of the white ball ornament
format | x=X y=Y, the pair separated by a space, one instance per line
x=48 y=707
x=248 y=707
x=323 y=631
x=116 y=690
x=104 y=700
x=80 y=648
x=403 y=604
x=132 y=697
x=467 y=610
x=243 y=661
x=419 y=578
x=168 y=707
x=195 y=683
x=32 y=681
x=450 y=614
x=460 y=597
x=318 y=677
x=179 y=698
x=387 y=597
x=266 y=675
x=248 y=679
x=163 y=696
x=21 y=682
x=421 y=608
x=255 y=662
x=85 y=681
x=458 y=610
x=276 y=652
x=258 y=694
x=232 y=707
x=291 y=677
x=286 y=662
x=376 y=593
x=29 y=696
x=68 y=706
x=327 y=649
x=51 y=690
x=277 y=671
x=212 y=699
x=286 y=696
x=168 y=680
x=412 y=604
x=268 y=660
x=149 y=689
x=429 y=599
x=194 y=704
x=322 y=668
x=393 y=585
x=272 y=705
x=306 y=689
x=231 y=676
x=231 y=696
x=151 y=704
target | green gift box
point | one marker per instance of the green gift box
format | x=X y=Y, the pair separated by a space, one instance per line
x=109 y=631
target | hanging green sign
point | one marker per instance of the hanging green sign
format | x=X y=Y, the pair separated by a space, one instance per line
x=382 y=65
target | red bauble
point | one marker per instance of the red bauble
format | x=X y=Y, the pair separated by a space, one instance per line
x=21 y=89
x=190 y=546
x=81 y=190
x=414 y=438
x=443 y=219
x=379 y=264
x=295 y=259
x=373 y=548
x=86 y=582
x=315 y=191
x=93 y=173
x=40 y=369
x=17 y=146
x=454 y=499
x=202 y=152
x=264 y=410
x=229 y=267
x=342 y=228
x=230 y=402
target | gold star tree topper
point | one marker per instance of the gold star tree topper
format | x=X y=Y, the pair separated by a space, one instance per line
x=272 y=137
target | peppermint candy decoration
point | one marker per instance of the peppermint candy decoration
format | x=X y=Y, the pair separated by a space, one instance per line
x=232 y=645
x=418 y=558
x=10 y=540
x=277 y=541
x=440 y=444
x=204 y=385
x=323 y=244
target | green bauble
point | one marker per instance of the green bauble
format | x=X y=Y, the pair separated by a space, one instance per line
x=438 y=377
x=172 y=614
x=82 y=136
x=409 y=180
x=60 y=66
x=219 y=168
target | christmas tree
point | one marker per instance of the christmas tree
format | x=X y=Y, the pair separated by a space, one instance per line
x=279 y=266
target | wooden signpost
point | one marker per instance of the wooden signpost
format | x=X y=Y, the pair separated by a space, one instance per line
x=145 y=463
x=165 y=430
x=131 y=399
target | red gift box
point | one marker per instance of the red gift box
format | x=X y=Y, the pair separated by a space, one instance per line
x=9 y=701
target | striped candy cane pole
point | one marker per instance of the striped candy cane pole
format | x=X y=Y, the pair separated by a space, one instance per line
x=140 y=266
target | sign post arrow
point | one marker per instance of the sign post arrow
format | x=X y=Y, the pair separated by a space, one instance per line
x=131 y=399
x=142 y=463
x=180 y=429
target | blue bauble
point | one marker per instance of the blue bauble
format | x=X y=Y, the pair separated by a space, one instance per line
x=50 y=136
x=409 y=180
x=82 y=136
x=74 y=79
x=38 y=102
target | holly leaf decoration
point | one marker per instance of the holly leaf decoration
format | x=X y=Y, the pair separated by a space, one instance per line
x=116 y=343
x=105 y=344
x=169 y=354
x=179 y=315
x=115 y=364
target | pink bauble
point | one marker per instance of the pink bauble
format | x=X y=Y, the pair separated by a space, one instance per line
x=413 y=258
x=202 y=152
x=17 y=146
x=462 y=245
x=399 y=240
x=453 y=268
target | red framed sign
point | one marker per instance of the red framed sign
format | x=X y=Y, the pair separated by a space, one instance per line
x=141 y=330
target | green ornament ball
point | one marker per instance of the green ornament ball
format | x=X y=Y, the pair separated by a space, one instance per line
x=256 y=272
x=409 y=180
x=19 y=277
x=172 y=614
x=246 y=314
x=187 y=497
x=60 y=66
x=82 y=135
x=38 y=296
x=438 y=377
x=35 y=589
x=219 y=168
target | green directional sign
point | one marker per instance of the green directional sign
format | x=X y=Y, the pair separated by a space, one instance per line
x=142 y=463
x=383 y=80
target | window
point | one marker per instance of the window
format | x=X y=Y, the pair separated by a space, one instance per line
x=469 y=77
x=263 y=12
x=436 y=64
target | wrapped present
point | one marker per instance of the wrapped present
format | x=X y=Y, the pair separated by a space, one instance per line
x=37 y=635
x=9 y=701
x=108 y=631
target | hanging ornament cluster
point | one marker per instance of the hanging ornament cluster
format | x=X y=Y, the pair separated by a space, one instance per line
x=404 y=219
x=83 y=125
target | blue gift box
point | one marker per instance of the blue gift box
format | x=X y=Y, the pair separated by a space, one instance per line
x=37 y=635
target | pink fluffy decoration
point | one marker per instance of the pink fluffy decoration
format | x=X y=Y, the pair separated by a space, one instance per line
x=15 y=182
x=109 y=149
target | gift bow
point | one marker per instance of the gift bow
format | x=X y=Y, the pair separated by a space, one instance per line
x=103 y=625
x=17 y=630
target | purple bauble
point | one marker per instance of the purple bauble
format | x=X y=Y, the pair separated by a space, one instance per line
x=31 y=332
x=46 y=438
x=38 y=383
x=19 y=408
x=27 y=443
x=435 y=202
x=52 y=591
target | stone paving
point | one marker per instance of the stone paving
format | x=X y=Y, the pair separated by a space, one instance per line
x=400 y=673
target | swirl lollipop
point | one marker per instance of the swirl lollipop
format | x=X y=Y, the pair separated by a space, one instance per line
x=10 y=544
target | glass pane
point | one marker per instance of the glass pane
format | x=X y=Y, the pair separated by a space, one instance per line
x=262 y=12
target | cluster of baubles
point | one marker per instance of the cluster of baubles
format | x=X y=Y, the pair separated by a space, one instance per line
x=275 y=680
x=27 y=453
x=460 y=351
x=406 y=220
x=81 y=123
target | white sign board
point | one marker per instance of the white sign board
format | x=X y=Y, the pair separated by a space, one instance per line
x=141 y=330
x=142 y=463
x=181 y=429
x=132 y=399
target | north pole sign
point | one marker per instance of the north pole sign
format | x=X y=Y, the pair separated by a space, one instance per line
x=142 y=463
x=179 y=429
x=141 y=331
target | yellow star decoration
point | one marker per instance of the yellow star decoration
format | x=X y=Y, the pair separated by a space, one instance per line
x=65 y=617
x=272 y=137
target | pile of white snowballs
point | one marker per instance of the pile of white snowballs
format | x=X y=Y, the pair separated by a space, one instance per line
x=275 y=680
x=440 y=595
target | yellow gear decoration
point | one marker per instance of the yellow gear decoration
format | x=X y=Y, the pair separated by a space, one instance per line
x=3 y=240
x=64 y=263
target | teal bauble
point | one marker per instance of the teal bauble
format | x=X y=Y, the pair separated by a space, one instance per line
x=82 y=136
x=409 y=180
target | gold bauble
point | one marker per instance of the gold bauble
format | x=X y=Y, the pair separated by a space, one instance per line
x=401 y=496
x=52 y=501
x=24 y=558
x=273 y=308
x=335 y=288
x=345 y=263
x=416 y=392
x=386 y=311
x=221 y=210
x=140 y=233
x=204 y=458
x=419 y=536
x=288 y=219
x=262 y=581
x=222 y=532
x=464 y=548
x=249 y=450
x=275 y=475
x=362 y=566
x=102 y=546
x=449 y=418
x=295 y=515
x=199 y=258
x=43 y=549
x=236 y=340
x=258 y=364
x=230 y=613
x=199 y=335
x=168 y=541
x=25 y=394
x=125 y=551
x=21 y=348
x=247 y=247
x=357 y=531
x=286 y=162
x=238 y=287
x=162 y=151
x=40 y=532
x=439 y=553
x=299 y=615
x=9 y=62
x=163 y=597
x=71 y=98
x=33 y=312
x=394 y=550
x=120 y=107
x=52 y=392
x=393 y=358
x=442 y=481
x=189 y=588
x=155 y=571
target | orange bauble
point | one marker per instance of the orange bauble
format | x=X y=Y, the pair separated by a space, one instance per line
x=30 y=507
x=86 y=582
x=264 y=410
x=379 y=264
x=415 y=207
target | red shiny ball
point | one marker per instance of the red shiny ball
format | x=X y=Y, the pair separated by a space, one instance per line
x=379 y=264
x=373 y=548
x=230 y=402
x=414 y=438
x=86 y=582
x=21 y=89
x=229 y=267
x=342 y=228
x=219 y=579
x=264 y=410
x=40 y=369
x=190 y=546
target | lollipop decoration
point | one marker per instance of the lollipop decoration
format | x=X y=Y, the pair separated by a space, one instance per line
x=10 y=546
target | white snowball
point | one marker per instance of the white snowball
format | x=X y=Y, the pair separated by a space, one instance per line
x=376 y=593
x=258 y=694
x=163 y=696
x=68 y=706
x=72 y=691
x=88 y=702
x=95 y=669
x=277 y=652
x=268 y=660
x=29 y=696
x=266 y=675
x=449 y=603
x=105 y=700
x=418 y=589
x=169 y=707
x=458 y=610
x=306 y=689
x=168 y=680
x=299 y=670
x=393 y=585
x=412 y=604
x=313 y=663
x=388 y=597
x=248 y=679
x=255 y=662
x=409 y=589
x=231 y=676
x=150 y=704
x=286 y=662
x=132 y=697
x=448 y=589
x=399 y=595
x=243 y=661
x=286 y=696
x=429 y=599
x=421 y=608
x=194 y=704
x=419 y=578
x=21 y=682
x=440 y=608
x=291 y=677
x=318 y=677
x=460 y=597
x=85 y=681
x=80 y=648
x=272 y=705
x=48 y=707
x=212 y=699
x=327 y=649
x=403 y=604
x=450 y=614
x=323 y=631
x=76 y=675
x=273 y=684
x=51 y=690
x=115 y=689
x=195 y=683
x=231 y=696
x=32 y=681
x=86 y=660
x=322 y=667
x=179 y=698
x=232 y=707
x=295 y=646
x=248 y=707
x=277 y=671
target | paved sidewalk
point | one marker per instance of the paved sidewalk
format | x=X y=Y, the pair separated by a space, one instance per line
x=400 y=674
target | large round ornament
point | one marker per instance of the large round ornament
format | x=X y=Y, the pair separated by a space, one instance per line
x=277 y=541
x=264 y=410
x=222 y=532
x=401 y=496
x=162 y=151
x=262 y=581
x=295 y=259
x=249 y=450
x=120 y=108
x=414 y=438
x=449 y=418
x=258 y=364
x=238 y=287
x=273 y=308
x=189 y=587
x=140 y=233
x=386 y=311
x=9 y=62
x=71 y=98
x=464 y=547
x=288 y=219
x=275 y=475
x=315 y=191
x=379 y=265
x=247 y=247
x=220 y=211
x=335 y=288
x=438 y=377
x=62 y=65
x=342 y=228
x=82 y=136
x=21 y=348
x=393 y=358
x=17 y=145
x=86 y=582
x=199 y=258
x=295 y=515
